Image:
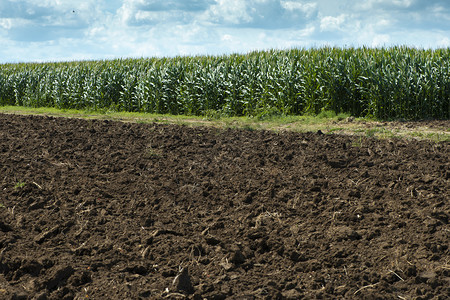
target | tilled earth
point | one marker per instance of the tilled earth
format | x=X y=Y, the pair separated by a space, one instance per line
x=94 y=209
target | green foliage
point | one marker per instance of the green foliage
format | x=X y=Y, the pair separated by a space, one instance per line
x=326 y=114
x=19 y=185
x=385 y=83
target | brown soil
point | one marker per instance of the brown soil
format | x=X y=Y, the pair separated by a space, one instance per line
x=107 y=210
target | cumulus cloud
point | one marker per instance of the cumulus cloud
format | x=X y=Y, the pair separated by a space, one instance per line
x=330 y=23
x=267 y=14
x=384 y=4
x=150 y=12
x=444 y=42
x=156 y=5
x=6 y=23
x=308 y=9
x=67 y=29
x=30 y=20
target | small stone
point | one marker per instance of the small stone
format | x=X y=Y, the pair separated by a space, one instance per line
x=424 y=276
x=212 y=241
x=226 y=265
x=411 y=271
x=238 y=257
x=344 y=233
x=248 y=199
x=5 y=227
x=182 y=282
x=59 y=276
x=294 y=256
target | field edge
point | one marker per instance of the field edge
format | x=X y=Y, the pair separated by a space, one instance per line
x=327 y=122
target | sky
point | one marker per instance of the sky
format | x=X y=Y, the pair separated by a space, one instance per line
x=67 y=30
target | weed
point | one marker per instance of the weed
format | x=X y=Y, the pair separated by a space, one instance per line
x=371 y=132
x=267 y=113
x=19 y=185
x=211 y=114
x=152 y=152
x=248 y=127
x=358 y=143
x=342 y=116
x=335 y=129
x=326 y=114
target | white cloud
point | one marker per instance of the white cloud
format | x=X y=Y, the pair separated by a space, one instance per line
x=230 y=12
x=380 y=40
x=67 y=29
x=308 y=8
x=330 y=23
x=264 y=14
x=383 y=23
x=151 y=12
x=373 y=4
x=6 y=23
x=444 y=42
x=227 y=38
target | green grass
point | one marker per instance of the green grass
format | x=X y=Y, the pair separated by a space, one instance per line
x=336 y=129
x=327 y=122
x=152 y=152
x=438 y=137
x=358 y=143
x=378 y=131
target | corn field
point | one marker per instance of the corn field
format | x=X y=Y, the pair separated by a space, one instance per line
x=386 y=83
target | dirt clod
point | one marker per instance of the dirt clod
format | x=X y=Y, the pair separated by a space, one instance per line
x=182 y=282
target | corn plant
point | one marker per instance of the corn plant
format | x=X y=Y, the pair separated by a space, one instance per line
x=386 y=83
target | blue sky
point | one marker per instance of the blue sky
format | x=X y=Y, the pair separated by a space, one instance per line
x=57 y=30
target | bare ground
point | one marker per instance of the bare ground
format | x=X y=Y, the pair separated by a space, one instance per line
x=93 y=209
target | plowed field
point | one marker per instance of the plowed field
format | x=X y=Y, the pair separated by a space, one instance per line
x=94 y=209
